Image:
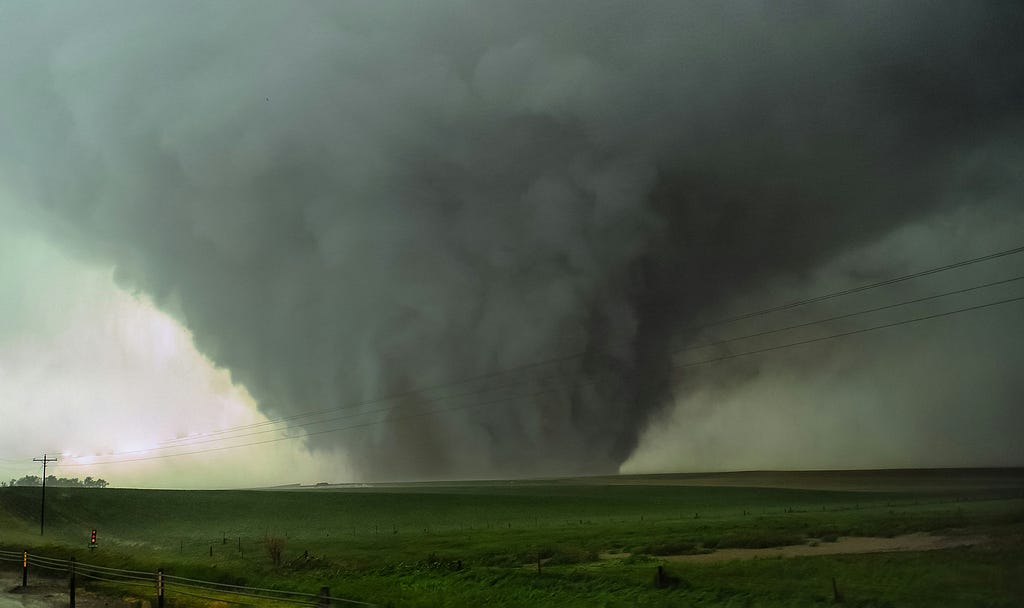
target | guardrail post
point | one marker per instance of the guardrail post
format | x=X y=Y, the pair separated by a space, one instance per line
x=71 y=583
x=325 y=598
x=160 y=588
x=24 y=568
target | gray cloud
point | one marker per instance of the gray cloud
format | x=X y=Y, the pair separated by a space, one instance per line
x=935 y=393
x=344 y=201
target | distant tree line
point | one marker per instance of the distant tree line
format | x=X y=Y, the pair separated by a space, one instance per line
x=57 y=482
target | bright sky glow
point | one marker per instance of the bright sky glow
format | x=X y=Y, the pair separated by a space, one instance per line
x=95 y=374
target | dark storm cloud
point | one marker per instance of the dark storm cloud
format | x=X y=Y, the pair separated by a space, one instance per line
x=348 y=200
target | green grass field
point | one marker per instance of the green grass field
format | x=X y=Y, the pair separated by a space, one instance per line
x=403 y=545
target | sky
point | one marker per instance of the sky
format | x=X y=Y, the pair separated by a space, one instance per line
x=250 y=244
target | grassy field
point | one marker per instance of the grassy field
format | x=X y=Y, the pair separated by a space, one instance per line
x=403 y=545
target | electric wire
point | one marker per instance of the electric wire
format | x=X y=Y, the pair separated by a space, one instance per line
x=474 y=405
x=849 y=333
x=188 y=442
x=312 y=433
x=408 y=393
x=858 y=289
x=199 y=440
x=848 y=315
x=564 y=358
x=690 y=348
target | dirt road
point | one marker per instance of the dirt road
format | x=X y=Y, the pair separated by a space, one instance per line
x=41 y=593
x=48 y=593
x=844 y=545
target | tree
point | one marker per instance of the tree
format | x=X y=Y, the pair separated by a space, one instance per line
x=60 y=482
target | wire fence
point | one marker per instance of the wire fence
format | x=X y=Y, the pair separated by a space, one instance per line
x=168 y=585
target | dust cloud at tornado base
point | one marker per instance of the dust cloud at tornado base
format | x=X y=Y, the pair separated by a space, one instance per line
x=348 y=201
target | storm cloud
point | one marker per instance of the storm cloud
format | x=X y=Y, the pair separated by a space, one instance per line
x=348 y=200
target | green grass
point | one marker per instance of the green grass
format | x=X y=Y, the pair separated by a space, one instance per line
x=403 y=545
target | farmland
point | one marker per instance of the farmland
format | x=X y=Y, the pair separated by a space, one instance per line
x=599 y=541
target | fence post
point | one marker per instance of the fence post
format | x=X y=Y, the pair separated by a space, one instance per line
x=24 y=568
x=160 y=588
x=71 y=583
x=325 y=598
x=837 y=596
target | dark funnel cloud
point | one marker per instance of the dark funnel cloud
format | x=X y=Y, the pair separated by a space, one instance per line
x=345 y=200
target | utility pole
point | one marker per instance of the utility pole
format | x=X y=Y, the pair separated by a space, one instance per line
x=42 y=504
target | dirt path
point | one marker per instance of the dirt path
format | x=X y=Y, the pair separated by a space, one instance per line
x=41 y=593
x=49 y=593
x=845 y=545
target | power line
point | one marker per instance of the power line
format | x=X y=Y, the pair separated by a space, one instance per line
x=42 y=503
x=199 y=440
x=848 y=315
x=417 y=391
x=210 y=438
x=571 y=357
x=514 y=397
x=479 y=391
x=548 y=391
x=190 y=441
x=312 y=433
x=852 y=290
x=848 y=333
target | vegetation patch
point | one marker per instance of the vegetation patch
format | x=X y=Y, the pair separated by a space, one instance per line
x=754 y=540
x=668 y=548
x=480 y=545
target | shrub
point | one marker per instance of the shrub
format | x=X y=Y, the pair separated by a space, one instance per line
x=668 y=548
x=759 y=541
x=572 y=555
x=275 y=547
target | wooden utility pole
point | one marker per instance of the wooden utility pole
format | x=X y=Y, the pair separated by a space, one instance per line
x=42 y=503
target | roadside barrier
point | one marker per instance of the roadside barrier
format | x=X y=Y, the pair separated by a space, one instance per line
x=163 y=584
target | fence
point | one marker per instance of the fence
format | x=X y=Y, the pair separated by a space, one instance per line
x=163 y=585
